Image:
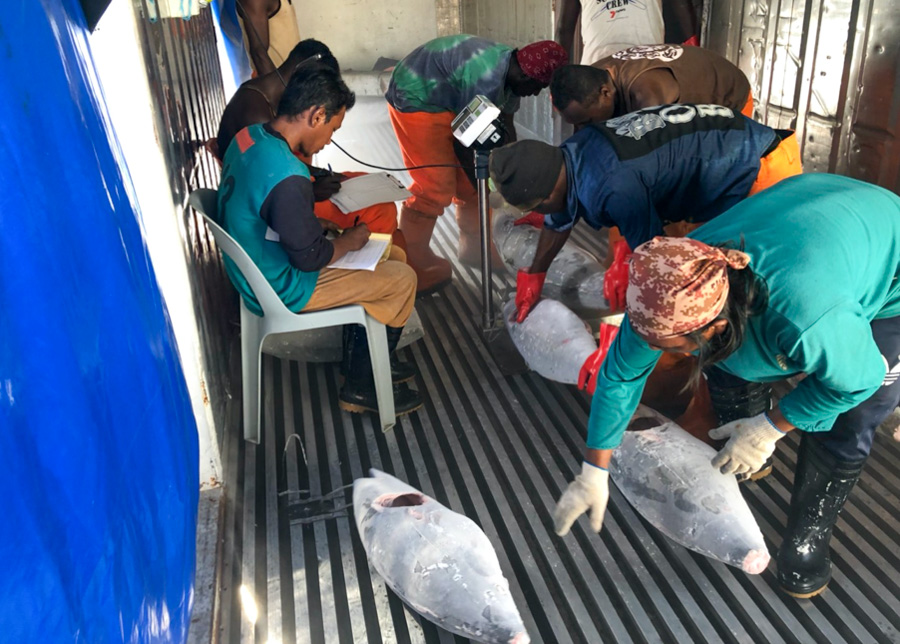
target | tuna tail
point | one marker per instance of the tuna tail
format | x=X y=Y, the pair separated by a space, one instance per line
x=755 y=562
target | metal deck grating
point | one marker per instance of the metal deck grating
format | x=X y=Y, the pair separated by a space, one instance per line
x=500 y=450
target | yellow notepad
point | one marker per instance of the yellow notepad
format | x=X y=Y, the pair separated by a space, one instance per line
x=376 y=250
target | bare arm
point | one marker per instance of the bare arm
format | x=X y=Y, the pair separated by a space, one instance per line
x=655 y=87
x=255 y=14
x=598 y=457
x=247 y=107
x=351 y=239
x=549 y=244
x=566 y=20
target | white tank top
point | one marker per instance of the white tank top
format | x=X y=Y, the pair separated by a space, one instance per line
x=284 y=34
x=610 y=25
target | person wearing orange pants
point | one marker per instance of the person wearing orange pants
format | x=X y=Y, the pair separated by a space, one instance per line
x=427 y=89
x=646 y=76
x=380 y=217
x=425 y=138
x=255 y=102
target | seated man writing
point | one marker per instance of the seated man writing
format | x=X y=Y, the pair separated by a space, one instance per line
x=255 y=102
x=266 y=204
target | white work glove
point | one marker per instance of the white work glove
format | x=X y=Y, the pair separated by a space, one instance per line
x=589 y=491
x=750 y=442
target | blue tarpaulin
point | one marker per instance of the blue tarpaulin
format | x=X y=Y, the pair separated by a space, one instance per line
x=226 y=17
x=98 y=445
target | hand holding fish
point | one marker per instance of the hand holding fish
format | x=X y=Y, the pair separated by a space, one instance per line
x=750 y=442
x=528 y=292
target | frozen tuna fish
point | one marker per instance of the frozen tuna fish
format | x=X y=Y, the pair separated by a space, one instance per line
x=553 y=340
x=575 y=277
x=665 y=474
x=437 y=561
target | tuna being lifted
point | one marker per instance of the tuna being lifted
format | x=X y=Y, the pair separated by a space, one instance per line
x=664 y=472
x=553 y=340
x=437 y=561
x=575 y=277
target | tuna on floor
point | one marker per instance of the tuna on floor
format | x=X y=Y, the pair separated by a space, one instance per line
x=575 y=277
x=665 y=473
x=437 y=561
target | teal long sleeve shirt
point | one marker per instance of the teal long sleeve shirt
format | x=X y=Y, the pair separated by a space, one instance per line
x=829 y=250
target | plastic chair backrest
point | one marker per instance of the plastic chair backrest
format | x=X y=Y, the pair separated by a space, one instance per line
x=205 y=201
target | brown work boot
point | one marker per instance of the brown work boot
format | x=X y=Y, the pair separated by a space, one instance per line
x=399 y=240
x=433 y=272
x=470 y=237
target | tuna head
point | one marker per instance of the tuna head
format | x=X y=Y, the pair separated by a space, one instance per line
x=437 y=561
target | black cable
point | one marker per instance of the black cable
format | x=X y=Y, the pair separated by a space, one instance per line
x=415 y=167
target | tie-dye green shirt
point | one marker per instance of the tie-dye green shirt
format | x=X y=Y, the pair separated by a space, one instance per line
x=444 y=74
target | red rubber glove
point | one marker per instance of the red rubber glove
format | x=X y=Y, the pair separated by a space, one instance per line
x=615 y=281
x=535 y=219
x=587 y=377
x=693 y=41
x=528 y=292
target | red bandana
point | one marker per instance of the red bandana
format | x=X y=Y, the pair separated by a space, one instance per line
x=540 y=59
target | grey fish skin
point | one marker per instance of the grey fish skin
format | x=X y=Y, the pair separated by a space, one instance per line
x=553 y=340
x=437 y=561
x=575 y=277
x=665 y=474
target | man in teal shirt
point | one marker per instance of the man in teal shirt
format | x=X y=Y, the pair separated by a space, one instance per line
x=816 y=292
x=266 y=204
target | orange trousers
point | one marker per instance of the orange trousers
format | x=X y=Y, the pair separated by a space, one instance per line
x=380 y=218
x=748 y=106
x=780 y=163
x=425 y=138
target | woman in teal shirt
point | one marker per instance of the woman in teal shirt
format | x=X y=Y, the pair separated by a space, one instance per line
x=813 y=290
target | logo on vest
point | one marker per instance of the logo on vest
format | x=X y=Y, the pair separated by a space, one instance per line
x=666 y=53
x=890 y=375
x=638 y=124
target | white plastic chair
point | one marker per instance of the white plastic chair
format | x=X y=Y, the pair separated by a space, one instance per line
x=277 y=318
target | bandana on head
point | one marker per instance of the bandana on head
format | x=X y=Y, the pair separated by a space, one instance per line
x=540 y=59
x=678 y=285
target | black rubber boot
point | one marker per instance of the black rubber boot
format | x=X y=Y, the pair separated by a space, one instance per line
x=400 y=371
x=734 y=398
x=358 y=393
x=348 y=334
x=822 y=484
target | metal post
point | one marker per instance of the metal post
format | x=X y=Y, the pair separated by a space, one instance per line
x=481 y=176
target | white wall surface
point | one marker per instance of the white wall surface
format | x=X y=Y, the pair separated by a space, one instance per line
x=120 y=66
x=358 y=32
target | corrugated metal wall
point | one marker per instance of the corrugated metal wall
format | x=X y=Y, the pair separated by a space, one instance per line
x=517 y=23
x=186 y=83
x=829 y=69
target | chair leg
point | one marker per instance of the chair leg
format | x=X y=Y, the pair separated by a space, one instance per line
x=381 y=370
x=251 y=382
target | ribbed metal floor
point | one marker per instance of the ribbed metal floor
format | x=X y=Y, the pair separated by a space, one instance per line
x=500 y=450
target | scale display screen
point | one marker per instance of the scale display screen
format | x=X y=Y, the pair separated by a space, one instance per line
x=475 y=121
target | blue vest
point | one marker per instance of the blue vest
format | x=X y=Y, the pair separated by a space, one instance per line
x=255 y=163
